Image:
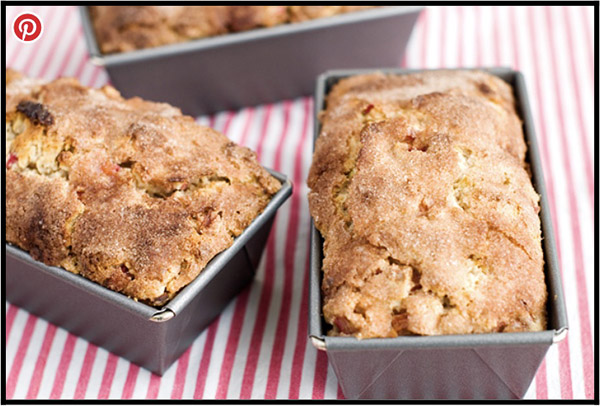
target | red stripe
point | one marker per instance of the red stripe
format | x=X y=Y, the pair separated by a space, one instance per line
x=153 y=387
x=108 y=376
x=41 y=43
x=11 y=313
x=182 y=367
x=65 y=56
x=300 y=350
x=588 y=35
x=94 y=77
x=265 y=126
x=320 y=375
x=424 y=20
x=460 y=55
x=47 y=49
x=86 y=371
x=13 y=377
x=265 y=298
x=563 y=348
x=71 y=47
x=63 y=366
x=246 y=130
x=541 y=382
x=211 y=121
x=403 y=61
x=205 y=361
x=240 y=305
x=84 y=60
x=340 y=394
x=478 y=35
x=130 y=381
x=583 y=133
x=443 y=17
x=40 y=364
x=496 y=35
x=289 y=261
x=582 y=298
x=513 y=33
x=302 y=329
x=232 y=344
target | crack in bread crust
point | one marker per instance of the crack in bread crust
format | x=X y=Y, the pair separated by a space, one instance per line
x=128 y=193
x=421 y=191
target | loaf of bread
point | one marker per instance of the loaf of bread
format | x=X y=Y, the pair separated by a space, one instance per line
x=420 y=188
x=128 y=193
x=126 y=28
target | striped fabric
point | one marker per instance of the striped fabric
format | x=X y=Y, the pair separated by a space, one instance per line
x=258 y=347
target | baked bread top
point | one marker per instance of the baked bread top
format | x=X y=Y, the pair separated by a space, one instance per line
x=421 y=191
x=126 y=28
x=128 y=193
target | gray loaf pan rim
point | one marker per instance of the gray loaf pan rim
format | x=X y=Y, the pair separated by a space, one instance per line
x=557 y=316
x=101 y=59
x=176 y=305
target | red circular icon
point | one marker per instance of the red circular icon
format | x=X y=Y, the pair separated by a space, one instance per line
x=27 y=27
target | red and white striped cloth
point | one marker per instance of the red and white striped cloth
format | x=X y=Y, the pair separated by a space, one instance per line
x=258 y=347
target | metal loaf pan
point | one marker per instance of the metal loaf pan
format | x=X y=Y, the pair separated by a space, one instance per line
x=231 y=71
x=476 y=366
x=150 y=337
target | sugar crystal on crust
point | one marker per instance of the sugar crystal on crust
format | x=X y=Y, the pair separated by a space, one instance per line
x=421 y=191
x=128 y=193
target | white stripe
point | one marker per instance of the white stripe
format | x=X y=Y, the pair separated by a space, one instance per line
x=141 y=384
x=331 y=386
x=116 y=389
x=552 y=372
x=193 y=367
x=452 y=37
x=72 y=376
x=75 y=58
x=61 y=51
x=468 y=38
x=433 y=36
x=486 y=38
x=585 y=72
x=51 y=39
x=166 y=382
x=308 y=371
x=96 y=375
x=530 y=393
x=52 y=363
x=13 y=340
x=30 y=359
x=503 y=35
x=220 y=343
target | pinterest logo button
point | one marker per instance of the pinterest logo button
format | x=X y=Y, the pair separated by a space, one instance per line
x=27 y=27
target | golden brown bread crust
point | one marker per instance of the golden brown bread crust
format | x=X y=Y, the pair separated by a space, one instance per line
x=420 y=189
x=126 y=28
x=128 y=193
